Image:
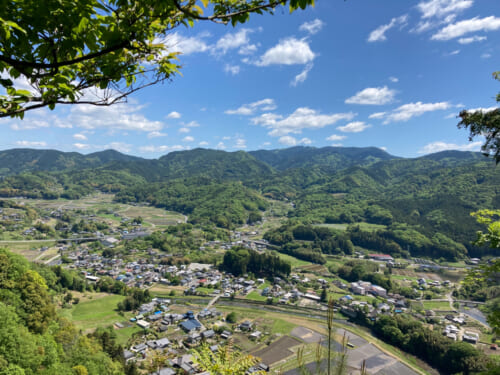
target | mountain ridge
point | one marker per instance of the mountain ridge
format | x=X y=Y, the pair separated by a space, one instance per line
x=216 y=163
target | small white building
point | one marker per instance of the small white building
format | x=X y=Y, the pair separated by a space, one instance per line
x=357 y=288
x=109 y=241
x=143 y=324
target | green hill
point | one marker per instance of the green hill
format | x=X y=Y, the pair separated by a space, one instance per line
x=334 y=158
x=17 y=161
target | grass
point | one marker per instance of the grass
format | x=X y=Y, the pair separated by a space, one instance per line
x=294 y=262
x=436 y=305
x=123 y=334
x=256 y=296
x=364 y=226
x=282 y=326
x=204 y=290
x=402 y=278
x=95 y=313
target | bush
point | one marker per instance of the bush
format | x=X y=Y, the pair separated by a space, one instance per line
x=231 y=317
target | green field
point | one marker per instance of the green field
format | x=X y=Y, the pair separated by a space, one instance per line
x=100 y=312
x=123 y=334
x=256 y=296
x=294 y=262
x=437 y=305
x=364 y=226
x=29 y=249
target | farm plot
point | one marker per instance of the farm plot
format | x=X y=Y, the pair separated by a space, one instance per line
x=307 y=335
x=278 y=350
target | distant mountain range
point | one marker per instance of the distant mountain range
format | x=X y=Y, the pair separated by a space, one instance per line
x=213 y=163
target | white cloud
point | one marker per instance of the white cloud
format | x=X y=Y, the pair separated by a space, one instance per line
x=378 y=34
x=372 y=96
x=80 y=137
x=29 y=124
x=460 y=28
x=226 y=138
x=20 y=83
x=123 y=116
x=251 y=108
x=81 y=146
x=179 y=147
x=426 y=24
x=354 y=127
x=154 y=149
x=393 y=79
x=377 y=115
x=442 y=146
x=188 y=139
x=441 y=8
x=312 y=27
x=232 y=41
x=302 y=118
x=452 y=53
x=220 y=146
x=248 y=49
x=305 y=141
x=486 y=55
x=240 y=143
x=186 y=45
x=119 y=146
x=203 y=143
x=482 y=109
x=192 y=124
x=184 y=130
x=301 y=77
x=232 y=69
x=336 y=137
x=31 y=143
x=289 y=51
x=157 y=134
x=410 y=110
x=174 y=114
x=288 y=140
x=472 y=39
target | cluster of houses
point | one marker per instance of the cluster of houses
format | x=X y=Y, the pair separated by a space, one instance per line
x=188 y=333
x=453 y=331
x=238 y=239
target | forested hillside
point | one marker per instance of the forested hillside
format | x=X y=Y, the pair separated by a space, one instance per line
x=33 y=339
x=23 y=160
x=422 y=205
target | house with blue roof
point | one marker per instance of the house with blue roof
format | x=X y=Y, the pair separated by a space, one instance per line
x=190 y=325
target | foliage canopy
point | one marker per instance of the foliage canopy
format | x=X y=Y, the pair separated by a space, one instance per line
x=484 y=123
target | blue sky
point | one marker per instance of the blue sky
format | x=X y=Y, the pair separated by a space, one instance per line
x=388 y=73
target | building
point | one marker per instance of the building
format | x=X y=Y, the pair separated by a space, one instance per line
x=109 y=241
x=356 y=288
x=190 y=325
x=470 y=337
x=381 y=257
x=379 y=291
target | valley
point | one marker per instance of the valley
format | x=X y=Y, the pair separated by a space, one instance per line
x=165 y=257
